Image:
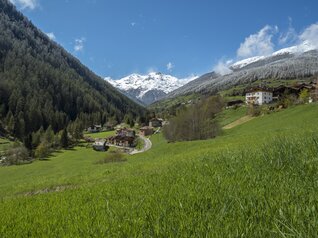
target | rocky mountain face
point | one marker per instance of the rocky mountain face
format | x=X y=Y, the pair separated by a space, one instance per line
x=290 y=63
x=147 y=89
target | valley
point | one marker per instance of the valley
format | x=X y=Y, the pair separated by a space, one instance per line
x=188 y=178
x=212 y=133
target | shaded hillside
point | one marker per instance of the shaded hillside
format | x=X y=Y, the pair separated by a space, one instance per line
x=41 y=84
x=287 y=66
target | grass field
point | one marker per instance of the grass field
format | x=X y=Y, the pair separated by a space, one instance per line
x=258 y=179
x=230 y=115
x=103 y=134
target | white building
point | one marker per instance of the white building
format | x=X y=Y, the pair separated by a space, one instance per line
x=259 y=96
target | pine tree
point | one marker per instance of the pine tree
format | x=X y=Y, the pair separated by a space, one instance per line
x=64 y=139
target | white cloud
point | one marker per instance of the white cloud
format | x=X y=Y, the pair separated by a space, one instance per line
x=170 y=66
x=23 y=4
x=310 y=35
x=259 y=43
x=290 y=36
x=79 y=44
x=51 y=35
x=223 y=67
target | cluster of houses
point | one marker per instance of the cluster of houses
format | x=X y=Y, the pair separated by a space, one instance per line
x=124 y=137
x=265 y=95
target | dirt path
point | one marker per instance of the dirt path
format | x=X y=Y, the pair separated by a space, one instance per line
x=238 y=122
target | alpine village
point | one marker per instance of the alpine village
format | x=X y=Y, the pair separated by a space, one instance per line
x=227 y=152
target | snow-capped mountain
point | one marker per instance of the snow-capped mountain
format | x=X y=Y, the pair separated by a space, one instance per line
x=297 y=49
x=148 y=88
x=296 y=62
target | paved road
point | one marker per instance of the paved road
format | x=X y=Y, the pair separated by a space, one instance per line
x=147 y=146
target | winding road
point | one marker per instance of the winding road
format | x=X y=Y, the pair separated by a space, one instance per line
x=147 y=146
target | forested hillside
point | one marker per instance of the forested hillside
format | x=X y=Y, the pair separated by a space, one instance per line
x=42 y=85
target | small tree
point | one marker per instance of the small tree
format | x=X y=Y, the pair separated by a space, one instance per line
x=48 y=136
x=304 y=96
x=253 y=110
x=42 y=151
x=64 y=139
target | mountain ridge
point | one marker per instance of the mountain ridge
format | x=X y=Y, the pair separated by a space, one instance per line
x=148 y=88
x=299 y=61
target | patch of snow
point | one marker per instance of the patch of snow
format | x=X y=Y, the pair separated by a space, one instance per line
x=242 y=63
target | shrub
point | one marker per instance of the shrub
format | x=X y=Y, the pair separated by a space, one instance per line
x=43 y=150
x=254 y=110
x=15 y=155
x=304 y=96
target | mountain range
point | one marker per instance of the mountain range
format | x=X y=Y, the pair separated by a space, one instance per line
x=296 y=62
x=149 y=88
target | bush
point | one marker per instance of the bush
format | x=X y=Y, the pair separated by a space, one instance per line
x=254 y=110
x=15 y=155
x=288 y=100
x=43 y=150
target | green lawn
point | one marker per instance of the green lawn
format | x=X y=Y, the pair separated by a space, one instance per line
x=230 y=115
x=258 y=179
x=103 y=134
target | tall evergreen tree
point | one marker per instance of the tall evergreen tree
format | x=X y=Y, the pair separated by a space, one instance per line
x=64 y=139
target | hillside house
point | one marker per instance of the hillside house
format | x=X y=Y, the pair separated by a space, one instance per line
x=100 y=145
x=295 y=90
x=146 y=131
x=125 y=132
x=124 y=137
x=124 y=141
x=155 y=122
x=94 y=128
x=259 y=96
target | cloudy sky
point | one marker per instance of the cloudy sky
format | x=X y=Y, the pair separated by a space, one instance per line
x=180 y=37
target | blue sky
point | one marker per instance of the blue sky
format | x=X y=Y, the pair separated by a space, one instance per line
x=180 y=37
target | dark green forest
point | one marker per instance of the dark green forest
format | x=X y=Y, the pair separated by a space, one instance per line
x=42 y=85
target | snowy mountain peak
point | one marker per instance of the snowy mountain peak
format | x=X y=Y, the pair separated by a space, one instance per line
x=149 y=88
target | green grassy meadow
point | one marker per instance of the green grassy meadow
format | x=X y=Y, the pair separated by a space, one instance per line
x=258 y=179
x=230 y=115
x=103 y=134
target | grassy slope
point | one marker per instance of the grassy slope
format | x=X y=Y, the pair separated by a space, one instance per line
x=101 y=134
x=219 y=187
x=230 y=115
